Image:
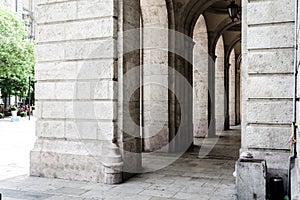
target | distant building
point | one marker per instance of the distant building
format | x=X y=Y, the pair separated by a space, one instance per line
x=25 y=9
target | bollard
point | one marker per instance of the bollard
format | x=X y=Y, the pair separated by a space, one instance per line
x=276 y=188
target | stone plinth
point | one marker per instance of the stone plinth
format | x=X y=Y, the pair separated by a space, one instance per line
x=251 y=179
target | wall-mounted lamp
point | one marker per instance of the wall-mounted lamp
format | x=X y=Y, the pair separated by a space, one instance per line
x=234 y=11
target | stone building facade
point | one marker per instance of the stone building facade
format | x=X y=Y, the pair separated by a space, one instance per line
x=116 y=78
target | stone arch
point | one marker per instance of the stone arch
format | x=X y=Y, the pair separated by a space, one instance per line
x=200 y=79
x=231 y=47
x=220 y=29
x=192 y=11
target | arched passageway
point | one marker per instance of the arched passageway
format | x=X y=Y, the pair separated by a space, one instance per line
x=86 y=49
x=168 y=115
x=211 y=105
x=212 y=77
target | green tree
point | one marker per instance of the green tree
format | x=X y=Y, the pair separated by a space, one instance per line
x=16 y=55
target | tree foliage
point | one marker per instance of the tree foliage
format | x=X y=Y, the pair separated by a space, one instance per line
x=16 y=55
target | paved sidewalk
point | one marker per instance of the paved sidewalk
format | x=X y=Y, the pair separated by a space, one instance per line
x=187 y=178
x=16 y=141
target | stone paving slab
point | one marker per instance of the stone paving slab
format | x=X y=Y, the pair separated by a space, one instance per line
x=189 y=177
x=23 y=194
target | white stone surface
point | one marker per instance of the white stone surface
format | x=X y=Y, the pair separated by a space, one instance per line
x=76 y=91
x=272 y=112
x=56 y=12
x=76 y=30
x=271 y=36
x=266 y=137
x=260 y=61
x=262 y=12
x=56 y=71
x=50 y=129
x=263 y=86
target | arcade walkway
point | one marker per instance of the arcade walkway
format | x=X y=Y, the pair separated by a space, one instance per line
x=187 y=178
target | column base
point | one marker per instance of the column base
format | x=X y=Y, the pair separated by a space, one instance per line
x=75 y=160
x=201 y=128
x=155 y=140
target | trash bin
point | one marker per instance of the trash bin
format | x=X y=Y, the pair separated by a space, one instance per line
x=276 y=188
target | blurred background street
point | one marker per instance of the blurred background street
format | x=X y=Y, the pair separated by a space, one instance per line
x=16 y=141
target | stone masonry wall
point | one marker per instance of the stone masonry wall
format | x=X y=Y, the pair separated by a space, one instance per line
x=75 y=91
x=267 y=77
x=295 y=190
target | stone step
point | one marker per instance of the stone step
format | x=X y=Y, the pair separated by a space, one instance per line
x=112 y=159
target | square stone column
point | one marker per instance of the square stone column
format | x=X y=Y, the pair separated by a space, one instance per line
x=77 y=91
x=267 y=81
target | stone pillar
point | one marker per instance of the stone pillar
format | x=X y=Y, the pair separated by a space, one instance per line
x=189 y=46
x=211 y=97
x=184 y=94
x=76 y=92
x=232 y=89
x=267 y=78
x=129 y=83
x=200 y=82
x=238 y=91
x=155 y=67
x=226 y=94
x=172 y=86
x=220 y=86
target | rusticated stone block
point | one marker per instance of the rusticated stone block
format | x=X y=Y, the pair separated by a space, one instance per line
x=259 y=61
x=271 y=36
x=267 y=137
x=265 y=111
x=263 y=86
x=260 y=12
